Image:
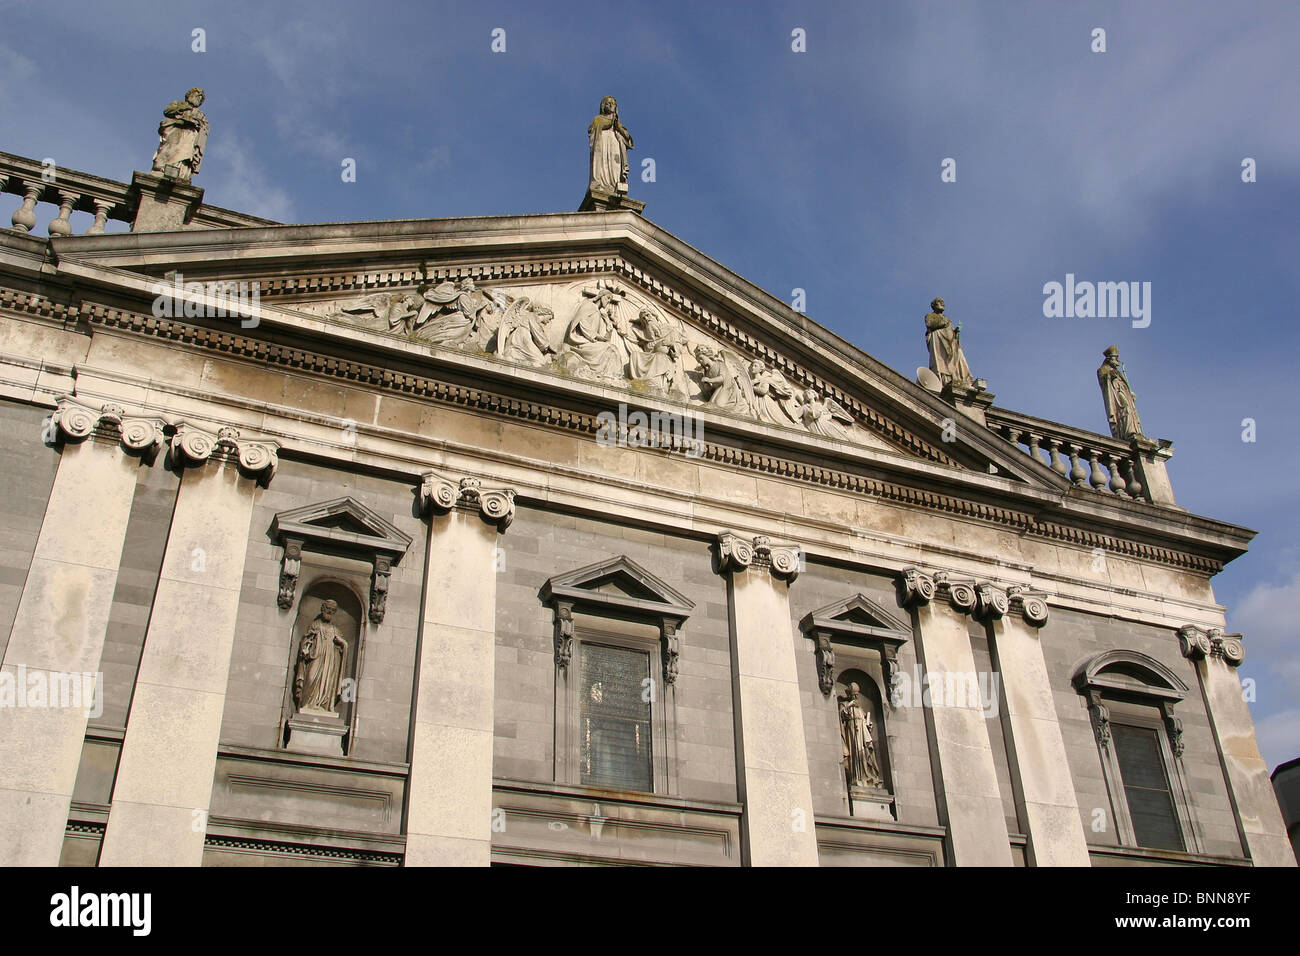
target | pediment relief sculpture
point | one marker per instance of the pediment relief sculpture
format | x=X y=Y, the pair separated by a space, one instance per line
x=602 y=332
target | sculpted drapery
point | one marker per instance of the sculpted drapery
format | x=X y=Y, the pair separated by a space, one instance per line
x=318 y=677
x=609 y=141
x=861 y=768
x=1121 y=403
x=944 y=342
x=182 y=136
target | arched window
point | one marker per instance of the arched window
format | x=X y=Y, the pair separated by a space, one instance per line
x=1131 y=699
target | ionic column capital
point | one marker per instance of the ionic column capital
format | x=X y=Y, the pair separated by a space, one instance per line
x=1198 y=643
x=440 y=493
x=76 y=421
x=194 y=446
x=986 y=600
x=1031 y=604
x=739 y=554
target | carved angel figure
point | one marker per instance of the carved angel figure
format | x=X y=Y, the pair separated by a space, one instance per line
x=523 y=336
x=182 y=136
x=861 y=769
x=318 y=678
x=824 y=416
x=391 y=312
x=454 y=313
x=776 y=401
x=725 y=381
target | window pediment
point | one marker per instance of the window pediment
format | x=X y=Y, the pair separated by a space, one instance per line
x=618 y=584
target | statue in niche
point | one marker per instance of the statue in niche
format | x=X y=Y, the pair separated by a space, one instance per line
x=318 y=677
x=1121 y=403
x=944 y=342
x=594 y=346
x=182 y=136
x=861 y=769
x=609 y=141
x=455 y=313
x=523 y=336
x=656 y=353
x=824 y=416
x=391 y=312
x=776 y=401
x=725 y=381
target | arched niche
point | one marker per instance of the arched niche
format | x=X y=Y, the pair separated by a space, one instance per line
x=319 y=702
x=867 y=800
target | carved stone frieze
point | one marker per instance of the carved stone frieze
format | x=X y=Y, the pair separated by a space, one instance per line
x=496 y=505
x=738 y=554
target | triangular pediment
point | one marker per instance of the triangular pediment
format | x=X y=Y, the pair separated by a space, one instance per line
x=344 y=523
x=618 y=583
x=856 y=616
x=597 y=304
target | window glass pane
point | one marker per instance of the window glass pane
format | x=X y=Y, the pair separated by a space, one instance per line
x=1146 y=786
x=614 y=721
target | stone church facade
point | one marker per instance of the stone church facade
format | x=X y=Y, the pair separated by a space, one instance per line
x=548 y=540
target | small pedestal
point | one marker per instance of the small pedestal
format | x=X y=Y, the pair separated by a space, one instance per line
x=597 y=200
x=320 y=734
x=164 y=205
x=872 y=804
x=972 y=399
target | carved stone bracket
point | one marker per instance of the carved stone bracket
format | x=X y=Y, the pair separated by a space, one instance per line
x=194 y=446
x=737 y=554
x=825 y=661
x=1174 y=727
x=379 y=587
x=290 y=567
x=496 y=505
x=1100 y=715
x=72 y=420
x=671 y=648
x=563 y=633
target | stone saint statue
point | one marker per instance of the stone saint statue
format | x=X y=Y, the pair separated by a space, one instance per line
x=859 y=750
x=1121 y=403
x=609 y=141
x=318 y=679
x=182 y=135
x=944 y=343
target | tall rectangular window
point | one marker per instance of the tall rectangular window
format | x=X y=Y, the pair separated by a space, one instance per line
x=1146 y=787
x=614 y=730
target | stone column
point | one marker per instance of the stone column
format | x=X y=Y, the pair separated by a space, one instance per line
x=164 y=777
x=771 y=754
x=449 y=802
x=966 y=783
x=1040 y=772
x=1254 y=802
x=58 y=631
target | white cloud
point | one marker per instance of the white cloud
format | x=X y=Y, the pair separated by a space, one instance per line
x=1279 y=737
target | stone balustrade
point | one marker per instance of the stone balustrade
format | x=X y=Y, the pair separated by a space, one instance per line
x=1089 y=460
x=69 y=191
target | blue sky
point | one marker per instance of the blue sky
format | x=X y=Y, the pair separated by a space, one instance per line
x=817 y=170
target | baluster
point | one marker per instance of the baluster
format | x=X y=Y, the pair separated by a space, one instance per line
x=102 y=206
x=24 y=217
x=61 y=225
x=1053 y=448
x=1034 y=453
x=1078 y=476
x=1117 y=482
x=1098 y=478
x=1134 y=486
